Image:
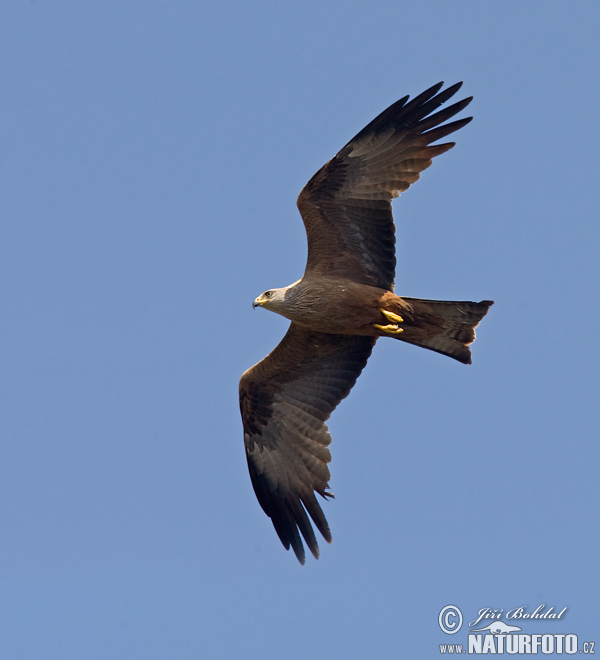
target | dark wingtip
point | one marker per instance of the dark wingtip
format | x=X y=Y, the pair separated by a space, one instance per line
x=455 y=87
x=434 y=88
x=299 y=552
x=301 y=556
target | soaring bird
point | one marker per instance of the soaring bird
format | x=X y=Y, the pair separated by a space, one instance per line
x=341 y=306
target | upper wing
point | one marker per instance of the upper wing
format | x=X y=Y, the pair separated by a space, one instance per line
x=346 y=206
x=285 y=400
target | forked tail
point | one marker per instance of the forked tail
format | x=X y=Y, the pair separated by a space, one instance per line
x=443 y=326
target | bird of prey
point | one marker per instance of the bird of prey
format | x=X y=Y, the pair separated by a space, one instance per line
x=341 y=306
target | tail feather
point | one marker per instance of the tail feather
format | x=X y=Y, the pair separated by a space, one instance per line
x=447 y=327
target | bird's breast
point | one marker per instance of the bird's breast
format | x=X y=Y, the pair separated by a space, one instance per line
x=346 y=308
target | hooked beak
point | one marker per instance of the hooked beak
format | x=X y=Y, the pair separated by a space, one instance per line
x=257 y=303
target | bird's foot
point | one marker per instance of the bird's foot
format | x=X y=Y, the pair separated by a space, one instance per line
x=390 y=316
x=394 y=327
x=390 y=329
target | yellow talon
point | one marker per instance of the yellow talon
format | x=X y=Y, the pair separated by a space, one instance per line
x=393 y=328
x=390 y=329
x=391 y=316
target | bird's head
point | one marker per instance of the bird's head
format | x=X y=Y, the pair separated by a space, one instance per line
x=271 y=299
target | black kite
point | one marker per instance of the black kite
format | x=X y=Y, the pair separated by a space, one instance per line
x=340 y=307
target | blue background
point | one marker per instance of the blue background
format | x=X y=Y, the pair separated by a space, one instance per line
x=151 y=154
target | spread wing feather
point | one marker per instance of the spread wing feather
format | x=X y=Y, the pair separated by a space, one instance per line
x=285 y=400
x=346 y=206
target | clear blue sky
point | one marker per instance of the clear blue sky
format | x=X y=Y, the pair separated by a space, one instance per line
x=151 y=155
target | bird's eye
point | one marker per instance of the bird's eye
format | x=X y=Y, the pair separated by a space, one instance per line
x=267 y=294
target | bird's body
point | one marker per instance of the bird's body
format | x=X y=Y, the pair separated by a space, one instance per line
x=342 y=307
x=344 y=302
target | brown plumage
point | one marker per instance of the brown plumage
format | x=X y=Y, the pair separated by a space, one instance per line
x=339 y=308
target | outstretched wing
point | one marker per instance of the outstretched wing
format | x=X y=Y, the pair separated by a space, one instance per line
x=346 y=206
x=285 y=400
